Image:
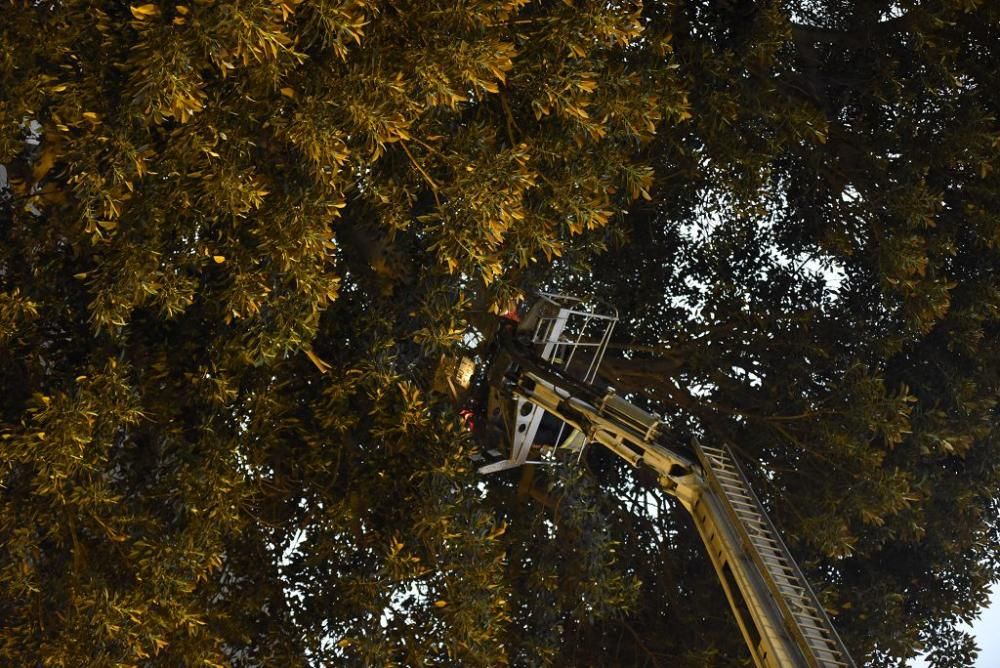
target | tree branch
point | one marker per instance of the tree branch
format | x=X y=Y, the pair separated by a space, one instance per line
x=854 y=39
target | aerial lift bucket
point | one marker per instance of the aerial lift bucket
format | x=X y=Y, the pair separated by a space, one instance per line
x=572 y=335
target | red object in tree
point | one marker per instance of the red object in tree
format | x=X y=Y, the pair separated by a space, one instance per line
x=511 y=313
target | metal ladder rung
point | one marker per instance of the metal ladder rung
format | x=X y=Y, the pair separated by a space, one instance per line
x=778 y=569
x=781 y=566
x=766 y=551
x=820 y=649
x=791 y=585
x=772 y=555
x=765 y=542
x=769 y=552
x=784 y=573
x=757 y=530
x=826 y=649
x=805 y=609
x=832 y=660
x=818 y=644
x=769 y=543
x=811 y=615
x=818 y=641
x=756 y=534
x=747 y=516
x=747 y=519
x=732 y=489
x=822 y=646
x=736 y=494
x=814 y=628
x=792 y=593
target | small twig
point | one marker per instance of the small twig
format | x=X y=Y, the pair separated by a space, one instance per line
x=642 y=645
x=430 y=181
x=427 y=146
x=511 y=125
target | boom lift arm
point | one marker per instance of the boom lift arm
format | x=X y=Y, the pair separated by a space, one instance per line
x=780 y=617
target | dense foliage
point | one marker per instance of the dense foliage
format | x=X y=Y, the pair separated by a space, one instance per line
x=237 y=237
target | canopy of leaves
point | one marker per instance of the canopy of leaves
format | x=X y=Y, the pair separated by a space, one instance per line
x=237 y=237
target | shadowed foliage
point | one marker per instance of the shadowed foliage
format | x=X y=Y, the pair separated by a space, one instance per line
x=236 y=238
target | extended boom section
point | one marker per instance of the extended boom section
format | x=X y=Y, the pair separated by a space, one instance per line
x=801 y=612
x=780 y=617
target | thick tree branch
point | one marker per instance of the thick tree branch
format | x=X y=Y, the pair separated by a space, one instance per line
x=855 y=39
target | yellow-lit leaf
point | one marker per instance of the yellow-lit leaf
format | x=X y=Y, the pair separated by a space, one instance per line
x=499 y=531
x=320 y=364
x=143 y=11
x=82 y=275
x=288 y=92
x=440 y=604
x=219 y=259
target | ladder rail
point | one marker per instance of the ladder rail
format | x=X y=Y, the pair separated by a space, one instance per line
x=829 y=628
x=835 y=645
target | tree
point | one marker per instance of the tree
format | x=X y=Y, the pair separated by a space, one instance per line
x=816 y=285
x=234 y=237
x=237 y=238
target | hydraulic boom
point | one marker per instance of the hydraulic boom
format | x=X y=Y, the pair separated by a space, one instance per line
x=539 y=373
